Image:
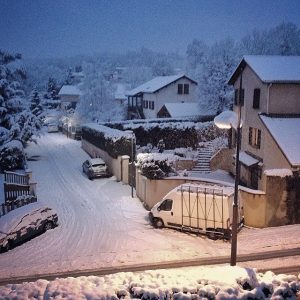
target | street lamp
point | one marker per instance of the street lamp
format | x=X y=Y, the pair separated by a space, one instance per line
x=227 y=120
x=132 y=158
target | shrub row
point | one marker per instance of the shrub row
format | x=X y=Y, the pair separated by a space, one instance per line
x=113 y=141
x=174 y=134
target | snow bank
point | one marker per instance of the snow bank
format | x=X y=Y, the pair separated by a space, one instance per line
x=279 y=172
x=222 y=282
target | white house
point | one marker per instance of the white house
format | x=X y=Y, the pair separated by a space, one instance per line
x=146 y=100
x=69 y=95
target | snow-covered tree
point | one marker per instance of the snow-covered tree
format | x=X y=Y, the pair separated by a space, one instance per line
x=196 y=53
x=215 y=93
x=17 y=123
x=36 y=103
x=97 y=100
x=283 y=39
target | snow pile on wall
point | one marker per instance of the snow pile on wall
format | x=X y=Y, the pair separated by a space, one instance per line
x=279 y=172
x=223 y=282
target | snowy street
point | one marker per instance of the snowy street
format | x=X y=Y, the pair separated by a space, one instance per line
x=100 y=225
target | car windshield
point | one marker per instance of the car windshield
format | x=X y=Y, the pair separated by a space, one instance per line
x=98 y=165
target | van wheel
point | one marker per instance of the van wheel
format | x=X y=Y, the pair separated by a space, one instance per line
x=158 y=223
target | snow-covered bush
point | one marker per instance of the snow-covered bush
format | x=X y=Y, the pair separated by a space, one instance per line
x=156 y=165
x=180 y=134
x=11 y=156
x=113 y=141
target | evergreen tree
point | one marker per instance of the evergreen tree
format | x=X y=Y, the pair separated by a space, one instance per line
x=36 y=103
x=17 y=124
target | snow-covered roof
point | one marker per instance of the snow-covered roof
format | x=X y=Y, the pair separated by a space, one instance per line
x=271 y=68
x=186 y=109
x=69 y=90
x=156 y=84
x=286 y=132
x=247 y=159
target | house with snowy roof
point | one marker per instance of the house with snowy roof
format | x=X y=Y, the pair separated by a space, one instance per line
x=270 y=113
x=148 y=99
x=69 y=95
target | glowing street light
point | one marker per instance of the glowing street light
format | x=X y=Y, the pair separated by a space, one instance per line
x=227 y=120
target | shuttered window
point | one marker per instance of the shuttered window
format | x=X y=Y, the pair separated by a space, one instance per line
x=256 y=98
x=180 y=89
x=186 y=88
x=237 y=95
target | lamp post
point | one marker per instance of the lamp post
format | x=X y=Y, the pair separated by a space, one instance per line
x=132 y=158
x=227 y=120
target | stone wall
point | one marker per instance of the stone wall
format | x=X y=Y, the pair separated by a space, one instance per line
x=223 y=160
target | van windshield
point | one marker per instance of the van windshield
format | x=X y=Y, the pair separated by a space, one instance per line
x=166 y=205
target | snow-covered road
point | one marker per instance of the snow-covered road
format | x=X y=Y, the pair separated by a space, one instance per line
x=100 y=225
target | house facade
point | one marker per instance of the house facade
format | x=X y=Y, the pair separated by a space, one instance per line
x=146 y=100
x=69 y=96
x=270 y=114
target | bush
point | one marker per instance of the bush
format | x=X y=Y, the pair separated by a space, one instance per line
x=12 y=156
x=156 y=165
x=113 y=141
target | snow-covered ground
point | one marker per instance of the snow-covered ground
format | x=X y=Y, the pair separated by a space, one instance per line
x=178 y=284
x=100 y=225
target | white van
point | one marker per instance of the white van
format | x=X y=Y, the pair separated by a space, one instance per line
x=198 y=208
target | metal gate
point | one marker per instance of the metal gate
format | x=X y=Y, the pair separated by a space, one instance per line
x=205 y=210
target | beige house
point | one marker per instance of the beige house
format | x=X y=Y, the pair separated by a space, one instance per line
x=146 y=100
x=270 y=113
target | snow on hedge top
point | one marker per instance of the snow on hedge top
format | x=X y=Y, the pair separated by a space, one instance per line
x=109 y=133
x=69 y=90
x=286 y=132
x=275 y=68
x=177 y=110
x=155 y=84
x=278 y=172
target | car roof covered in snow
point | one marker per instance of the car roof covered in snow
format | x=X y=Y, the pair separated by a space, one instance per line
x=12 y=219
x=96 y=161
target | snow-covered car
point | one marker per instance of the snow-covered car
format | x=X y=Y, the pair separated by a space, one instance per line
x=52 y=128
x=24 y=223
x=95 y=167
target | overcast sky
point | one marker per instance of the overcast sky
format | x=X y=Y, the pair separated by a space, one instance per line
x=57 y=28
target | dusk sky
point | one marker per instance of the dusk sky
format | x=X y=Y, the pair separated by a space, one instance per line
x=58 y=28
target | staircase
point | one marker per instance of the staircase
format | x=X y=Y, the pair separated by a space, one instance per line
x=204 y=155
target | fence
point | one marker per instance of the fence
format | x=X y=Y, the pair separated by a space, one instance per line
x=13 y=204
x=18 y=191
x=12 y=177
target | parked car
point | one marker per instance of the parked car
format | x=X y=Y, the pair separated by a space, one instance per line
x=95 y=167
x=52 y=128
x=24 y=223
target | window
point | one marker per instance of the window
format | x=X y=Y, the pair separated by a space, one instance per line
x=255 y=137
x=237 y=95
x=166 y=205
x=151 y=105
x=186 y=88
x=180 y=89
x=145 y=103
x=256 y=98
